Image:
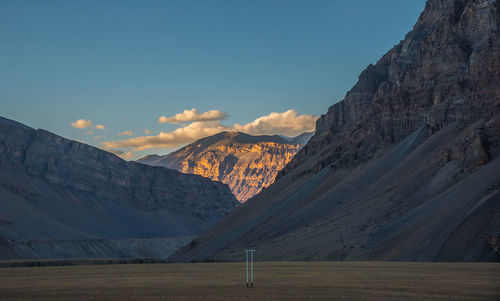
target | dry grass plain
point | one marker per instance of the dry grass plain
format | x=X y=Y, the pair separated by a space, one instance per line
x=273 y=281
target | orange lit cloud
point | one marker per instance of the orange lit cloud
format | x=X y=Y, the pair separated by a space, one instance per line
x=193 y=115
x=126 y=133
x=287 y=123
x=178 y=137
x=81 y=124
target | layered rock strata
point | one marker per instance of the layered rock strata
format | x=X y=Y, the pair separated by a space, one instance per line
x=246 y=163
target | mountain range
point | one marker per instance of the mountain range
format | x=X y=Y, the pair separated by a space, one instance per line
x=406 y=167
x=245 y=162
x=63 y=199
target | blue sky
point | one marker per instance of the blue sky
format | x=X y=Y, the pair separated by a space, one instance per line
x=123 y=64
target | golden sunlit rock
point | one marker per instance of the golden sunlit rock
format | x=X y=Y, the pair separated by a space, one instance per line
x=246 y=163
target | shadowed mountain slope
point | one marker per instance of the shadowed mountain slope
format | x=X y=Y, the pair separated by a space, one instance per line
x=60 y=198
x=245 y=162
x=406 y=167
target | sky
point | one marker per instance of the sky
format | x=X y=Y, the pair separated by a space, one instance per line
x=143 y=77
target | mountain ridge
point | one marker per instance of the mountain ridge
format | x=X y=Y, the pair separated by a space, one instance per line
x=247 y=163
x=55 y=190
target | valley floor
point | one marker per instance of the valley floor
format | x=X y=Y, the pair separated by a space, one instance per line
x=273 y=281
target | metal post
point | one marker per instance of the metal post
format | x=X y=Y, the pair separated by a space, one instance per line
x=251 y=275
x=251 y=266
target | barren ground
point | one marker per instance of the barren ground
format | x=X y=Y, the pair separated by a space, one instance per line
x=273 y=281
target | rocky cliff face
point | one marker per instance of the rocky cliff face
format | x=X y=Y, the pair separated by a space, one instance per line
x=406 y=167
x=55 y=189
x=246 y=163
x=447 y=69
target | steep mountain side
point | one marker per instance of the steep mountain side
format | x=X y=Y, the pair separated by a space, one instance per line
x=406 y=167
x=446 y=69
x=246 y=163
x=60 y=192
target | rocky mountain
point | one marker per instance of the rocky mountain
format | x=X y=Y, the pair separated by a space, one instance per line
x=60 y=198
x=405 y=167
x=246 y=163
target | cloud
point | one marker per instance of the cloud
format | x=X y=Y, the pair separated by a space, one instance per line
x=178 y=137
x=193 y=115
x=100 y=127
x=81 y=124
x=147 y=132
x=99 y=137
x=126 y=133
x=287 y=123
x=127 y=155
x=89 y=133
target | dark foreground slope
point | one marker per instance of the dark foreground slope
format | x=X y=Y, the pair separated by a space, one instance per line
x=406 y=167
x=60 y=198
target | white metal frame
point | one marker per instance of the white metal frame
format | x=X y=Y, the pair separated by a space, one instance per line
x=251 y=266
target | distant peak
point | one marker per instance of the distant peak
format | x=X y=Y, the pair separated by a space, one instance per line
x=302 y=138
x=237 y=137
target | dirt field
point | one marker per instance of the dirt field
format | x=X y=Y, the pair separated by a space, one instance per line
x=273 y=281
